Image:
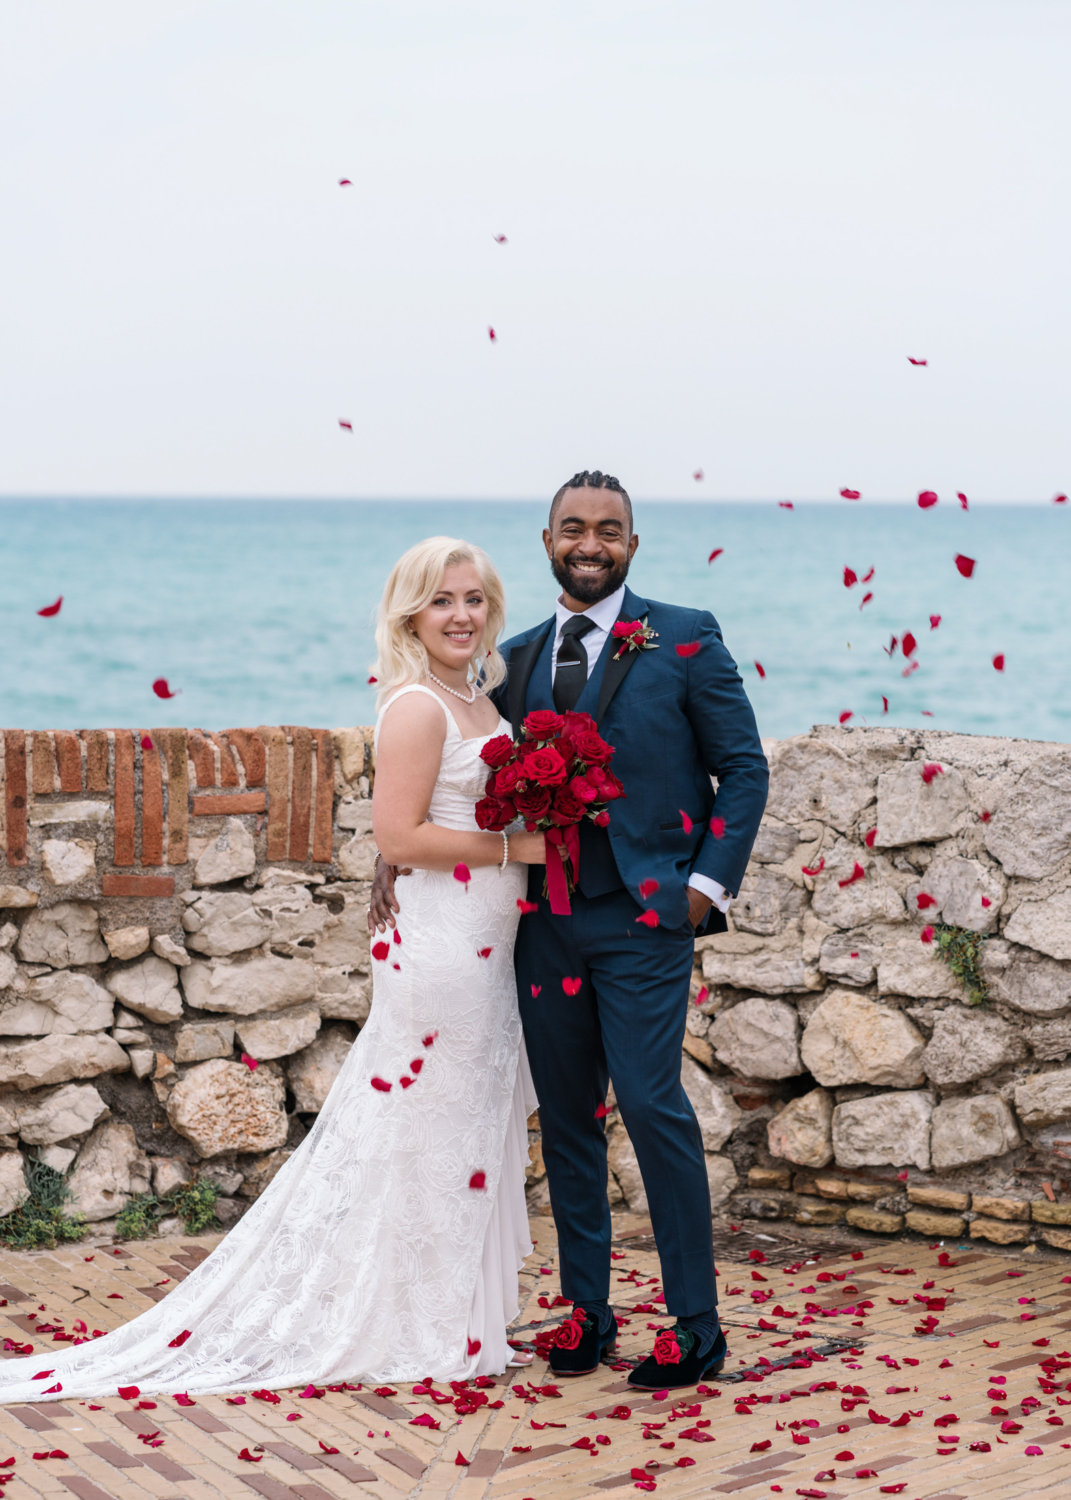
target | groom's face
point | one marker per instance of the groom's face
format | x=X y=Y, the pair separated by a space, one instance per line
x=590 y=545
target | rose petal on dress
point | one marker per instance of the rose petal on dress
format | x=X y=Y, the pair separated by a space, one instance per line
x=474 y=1345
x=463 y=874
x=380 y=951
x=382 y=1085
x=484 y=952
x=180 y=1338
x=492 y=335
x=478 y=1181
x=965 y=565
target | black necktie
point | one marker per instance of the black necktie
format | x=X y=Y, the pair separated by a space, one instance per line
x=571 y=673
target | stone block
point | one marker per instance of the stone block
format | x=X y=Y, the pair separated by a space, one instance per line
x=758 y=1039
x=295 y=917
x=716 y=1110
x=923 y=1221
x=850 y=1039
x=773 y=965
x=769 y=1177
x=802 y=1131
x=774 y=843
x=227 y=1179
x=350 y=752
x=884 y=1130
x=999 y=1232
x=13 y=1189
x=142 y=1061
x=936 y=1197
x=699 y=1048
x=168 y=1173
x=65 y=1002
x=57 y=1058
x=910 y=811
x=721 y=1179
x=58 y=1114
x=819 y=1211
x=9 y=970
x=1012 y=1209
x=64 y=936
x=966 y=892
x=42 y=814
x=969 y=1044
x=263 y=1171
x=127 y=942
x=224 y=1106
x=874 y=1220
x=831 y=1187
x=855 y=903
x=766 y=902
x=1030 y=830
x=1043 y=924
x=971 y=1129
x=811 y=780
x=225 y=922
x=1044 y=1212
x=1024 y=979
x=149 y=987
x=17 y=897
x=355 y=814
x=851 y=957
x=166 y=947
x=1059 y=1239
x=58 y=1158
x=244 y=987
x=109 y=1171
x=342 y=996
x=867 y=1192
x=1050 y=1041
x=908 y=966
x=229 y=857
x=278 y=1033
x=356 y=859
x=204 y=1039
x=312 y=1071
x=1044 y=1099
x=759 y=1205
x=66 y=861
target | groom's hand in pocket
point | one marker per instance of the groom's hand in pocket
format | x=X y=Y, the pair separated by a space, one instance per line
x=698 y=905
x=381 y=903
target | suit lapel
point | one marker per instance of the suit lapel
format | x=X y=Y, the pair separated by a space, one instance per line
x=618 y=667
x=522 y=659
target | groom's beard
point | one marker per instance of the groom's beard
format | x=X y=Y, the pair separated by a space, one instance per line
x=589 y=588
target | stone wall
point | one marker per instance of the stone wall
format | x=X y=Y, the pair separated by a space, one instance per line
x=173 y=902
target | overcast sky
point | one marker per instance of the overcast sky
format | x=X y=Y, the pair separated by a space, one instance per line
x=729 y=225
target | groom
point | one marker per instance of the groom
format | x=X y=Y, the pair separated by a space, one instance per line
x=677 y=715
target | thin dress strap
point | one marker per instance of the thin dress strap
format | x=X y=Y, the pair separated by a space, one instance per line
x=415 y=687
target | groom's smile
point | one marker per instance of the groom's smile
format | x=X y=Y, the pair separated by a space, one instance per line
x=590 y=543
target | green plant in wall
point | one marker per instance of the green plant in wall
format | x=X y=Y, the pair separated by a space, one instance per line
x=961 y=950
x=137 y=1221
x=196 y=1203
x=40 y=1219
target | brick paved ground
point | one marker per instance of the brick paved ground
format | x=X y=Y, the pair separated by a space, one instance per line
x=754 y=1437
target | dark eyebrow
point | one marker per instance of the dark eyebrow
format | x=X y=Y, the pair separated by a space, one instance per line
x=579 y=521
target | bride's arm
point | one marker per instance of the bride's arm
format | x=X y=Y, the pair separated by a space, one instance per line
x=408 y=758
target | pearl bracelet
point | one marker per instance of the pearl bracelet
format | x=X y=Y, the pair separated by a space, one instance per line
x=505 y=849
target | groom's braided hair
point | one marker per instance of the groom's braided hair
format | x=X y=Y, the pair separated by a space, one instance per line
x=592 y=479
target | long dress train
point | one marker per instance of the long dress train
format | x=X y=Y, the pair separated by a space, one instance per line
x=375 y=1254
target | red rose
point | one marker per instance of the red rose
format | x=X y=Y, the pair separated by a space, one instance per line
x=666 y=1349
x=566 y=809
x=534 y=803
x=602 y=819
x=494 y=813
x=570 y=1331
x=545 y=767
x=507 y=780
x=592 y=748
x=576 y=723
x=583 y=790
x=625 y=628
x=497 y=751
x=543 y=724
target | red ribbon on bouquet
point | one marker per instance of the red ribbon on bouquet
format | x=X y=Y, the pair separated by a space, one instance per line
x=565 y=844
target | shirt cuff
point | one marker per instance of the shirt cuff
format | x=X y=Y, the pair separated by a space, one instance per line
x=717 y=893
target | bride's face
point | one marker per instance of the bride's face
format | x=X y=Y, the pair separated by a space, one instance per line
x=451 y=627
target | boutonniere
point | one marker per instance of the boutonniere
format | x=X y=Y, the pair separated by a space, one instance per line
x=634 y=635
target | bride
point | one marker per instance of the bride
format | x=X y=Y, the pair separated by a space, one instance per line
x=388 y=1246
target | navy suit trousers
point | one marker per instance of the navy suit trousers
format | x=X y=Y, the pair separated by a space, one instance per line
x=625 y=1023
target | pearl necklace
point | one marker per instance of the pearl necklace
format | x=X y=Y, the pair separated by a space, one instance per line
x=455 y=692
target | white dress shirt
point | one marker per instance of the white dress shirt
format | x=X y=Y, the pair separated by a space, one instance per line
x=603 y=615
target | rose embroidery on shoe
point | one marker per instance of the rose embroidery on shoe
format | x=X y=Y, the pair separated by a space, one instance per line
x=666 y=1349
x=570 y=1331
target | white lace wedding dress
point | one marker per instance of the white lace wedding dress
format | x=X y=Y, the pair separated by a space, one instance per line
x=370 y=1257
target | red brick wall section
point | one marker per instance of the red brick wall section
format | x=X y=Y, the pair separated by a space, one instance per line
x=69 y=755
x=300 y=792
x=228 y=771
x=173 y=745
x=125 y=812
x=43 y=767
x=204 y=761
x=250 y=744
x=15 y=794
x=325 y=796
x=274 y=741
x=96 y=741
x=152 y=804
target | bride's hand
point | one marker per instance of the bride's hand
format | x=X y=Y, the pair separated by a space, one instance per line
x=527 y=848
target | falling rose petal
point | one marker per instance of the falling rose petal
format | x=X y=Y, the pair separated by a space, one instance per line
x=965 y=565
x=998 y=661
x=648 y=919
x=526 y=907
x=536 y=990
x=870 y=837
x=484 y=952
x=985 y=816
x=462 y=874
x=884 y=704
x=474 y=1347
x=927 y=498
x=760 y=669
x=347 y=426
x=961 y=497
x=1059 y=499
x=890 y=649
x=717 y=827
x=250 y=1062
x=917 y=361
x=817 y=869
x=601 y=1112
x=51 y=609
x=491 y=334
x=935 y=620
x=851 y=578
x=846 y=715
x=908 y=644
x=478 y=1181
x=865 y=600
x=781 y=505
x=930 y=770
x=647 y=888
x=381 y=951
x=344 y=182
x=686 y=821
x=382 y=1085
x=146 y=743
x=161 y=689
x=716 y=553
x=925 y=900
x=571 y=986
x=689 y=648
x=852 y=494
x=857 y=874
x=698 y=475
x=867 y=576
x=926 y=935
x=500 y=239
x=986 y=901
x=371 y=680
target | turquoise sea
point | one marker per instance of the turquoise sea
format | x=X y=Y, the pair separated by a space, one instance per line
x=262 y=611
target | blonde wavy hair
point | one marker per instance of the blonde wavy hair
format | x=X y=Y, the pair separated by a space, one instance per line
x=414 y=581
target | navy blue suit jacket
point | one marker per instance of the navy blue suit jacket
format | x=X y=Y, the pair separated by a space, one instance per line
x=674 y=723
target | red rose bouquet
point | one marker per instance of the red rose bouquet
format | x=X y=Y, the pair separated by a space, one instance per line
x=553 y=777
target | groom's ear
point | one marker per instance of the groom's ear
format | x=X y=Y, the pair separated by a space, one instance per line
x=548 y=542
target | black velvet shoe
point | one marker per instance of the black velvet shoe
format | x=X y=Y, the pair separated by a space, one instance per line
x=579 y=1346
x=675 y=1361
